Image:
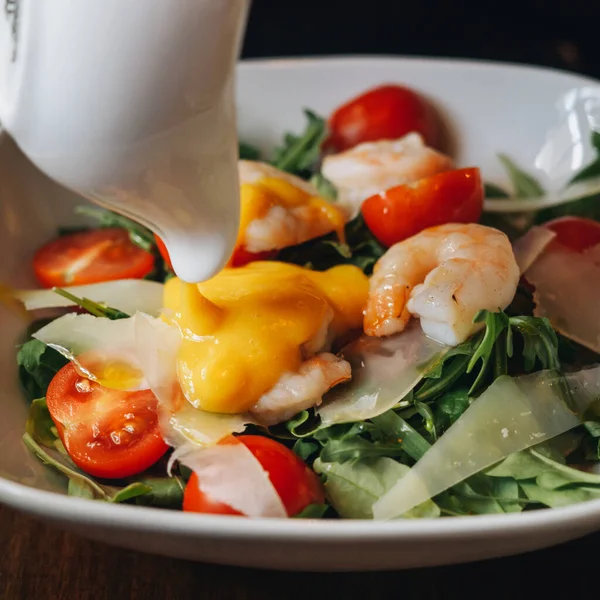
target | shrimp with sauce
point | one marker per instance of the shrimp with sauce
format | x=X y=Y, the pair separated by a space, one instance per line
x=301 y=390
x=280 y=210
x=374 y=167
x=444 y=276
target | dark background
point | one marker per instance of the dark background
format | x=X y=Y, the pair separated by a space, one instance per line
x=38 y=561
x=555 y=34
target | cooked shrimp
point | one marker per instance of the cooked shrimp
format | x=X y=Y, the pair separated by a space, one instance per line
x=444 y=276
x=281 y=210
x=374 y=167
x=301 y=390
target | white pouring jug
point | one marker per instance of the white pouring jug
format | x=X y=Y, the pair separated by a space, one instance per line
x=131 y=104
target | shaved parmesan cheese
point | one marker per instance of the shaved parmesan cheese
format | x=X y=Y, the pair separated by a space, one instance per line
x=181 y=424
x=384 y=370
x=511 y=415
x=567 y=288
x=529 y=247
x=126 y=295
x=102 y=350
x=230 y=473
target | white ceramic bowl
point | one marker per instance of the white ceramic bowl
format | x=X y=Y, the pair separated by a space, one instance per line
x=541 y=118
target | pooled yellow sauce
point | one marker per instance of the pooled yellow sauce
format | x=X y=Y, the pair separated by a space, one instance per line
x=245 y=327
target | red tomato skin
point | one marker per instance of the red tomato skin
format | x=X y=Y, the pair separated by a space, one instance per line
x=101 y=457
x=403 y=211
x=112 y=256
x=385 y=112
x=163 y=251
x=239 y=258
x=296 y=484
x=575 y=233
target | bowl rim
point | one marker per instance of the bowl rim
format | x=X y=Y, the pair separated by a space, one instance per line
x=63 y=508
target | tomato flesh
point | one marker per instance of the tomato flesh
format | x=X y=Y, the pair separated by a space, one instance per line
x=108 y=433
x=91 y=257
x=576 y=233
x=296 y=484
x=385 y=112
x=405 y=210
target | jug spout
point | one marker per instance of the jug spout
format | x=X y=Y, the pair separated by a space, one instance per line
x=132 y=105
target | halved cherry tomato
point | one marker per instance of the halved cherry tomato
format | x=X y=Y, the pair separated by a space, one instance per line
x=295 y=483
x=405 y=210
x=163 y=251
x=108 y=433
x=385 y=112
x=576 y=233
x=239 y=258
x=91 y=257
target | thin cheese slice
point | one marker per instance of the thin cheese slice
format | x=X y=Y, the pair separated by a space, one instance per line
x=127 y=295
x=567 y=289
x=511 y=415
x=384 y=371
x=230 y=473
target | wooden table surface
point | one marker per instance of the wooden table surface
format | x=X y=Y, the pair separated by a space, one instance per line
x=40 y=562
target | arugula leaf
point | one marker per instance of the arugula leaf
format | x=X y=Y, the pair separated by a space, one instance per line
x=428 y=418
x=248 y=152
x=353 y=487
x=304 y=449
x=491 y=190
x=80 y=488
x=94 y=308
x=304 y=424
x=593 y=169
x=361 y=249
x=299 y=153
x=495 y=324
x=72 y=473
x=148 y=491
x=449 y=407
x=340 y=451
x=394 y=426
x=37 y=366
x=325 y=188
x=165 y=492
x=40 y=425
x=540 y=343
x=524 y=185
x=312 y=511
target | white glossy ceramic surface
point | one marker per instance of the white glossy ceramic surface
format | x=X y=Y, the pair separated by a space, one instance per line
x=541 y=118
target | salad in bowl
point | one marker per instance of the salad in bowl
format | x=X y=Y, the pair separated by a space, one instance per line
x=393 y=337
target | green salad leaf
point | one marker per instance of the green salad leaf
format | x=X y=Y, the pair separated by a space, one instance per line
x=94 y=308
x=300 y=153
x=248 y=152
x=524 y=185
x=353 y=487
x=592 y=169
x=491 y=190
x=37 y=366
x=148 y=491
x=361 y=249
x=40 y=425
x=312 y=511
x=325 y=188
